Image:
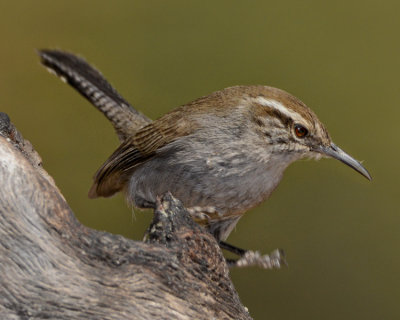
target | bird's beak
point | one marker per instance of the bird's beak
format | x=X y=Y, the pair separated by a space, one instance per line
x=335 y=152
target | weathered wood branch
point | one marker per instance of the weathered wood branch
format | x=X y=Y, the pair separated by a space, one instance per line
x=52 y=267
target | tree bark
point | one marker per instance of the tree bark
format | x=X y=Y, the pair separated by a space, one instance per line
x=52 y=267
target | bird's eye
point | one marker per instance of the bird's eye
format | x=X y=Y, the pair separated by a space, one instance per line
x=300 y=131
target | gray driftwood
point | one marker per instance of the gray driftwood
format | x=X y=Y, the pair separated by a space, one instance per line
x=52 y=267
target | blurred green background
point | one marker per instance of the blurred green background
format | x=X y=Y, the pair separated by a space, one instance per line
x=340 y=232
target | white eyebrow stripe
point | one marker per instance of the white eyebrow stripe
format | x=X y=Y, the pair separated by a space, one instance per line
x=278 y=106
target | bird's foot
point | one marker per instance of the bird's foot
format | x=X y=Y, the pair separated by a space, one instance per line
x=203 y=213
x=248 y=258
x=274 y=260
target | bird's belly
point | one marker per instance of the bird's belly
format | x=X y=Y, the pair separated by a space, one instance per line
x=230 y=187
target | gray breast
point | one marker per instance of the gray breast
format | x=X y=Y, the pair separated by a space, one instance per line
x=201 y=171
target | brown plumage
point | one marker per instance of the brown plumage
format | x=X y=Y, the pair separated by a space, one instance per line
x=261 y=143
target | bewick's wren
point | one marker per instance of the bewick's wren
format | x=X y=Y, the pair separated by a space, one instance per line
x=220 y=155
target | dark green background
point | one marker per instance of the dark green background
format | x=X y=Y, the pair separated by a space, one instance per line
x=340 y=232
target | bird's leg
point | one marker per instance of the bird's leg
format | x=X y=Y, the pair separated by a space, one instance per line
x=207 y=216
x=248 y=258
x=231 y=248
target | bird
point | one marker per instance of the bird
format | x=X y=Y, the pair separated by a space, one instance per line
x=221 y=154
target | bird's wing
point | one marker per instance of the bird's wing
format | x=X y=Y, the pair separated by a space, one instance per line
x=116 y=171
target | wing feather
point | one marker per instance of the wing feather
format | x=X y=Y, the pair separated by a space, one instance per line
x=116 y=171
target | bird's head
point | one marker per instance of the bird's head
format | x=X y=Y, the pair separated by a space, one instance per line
x=289 y=127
